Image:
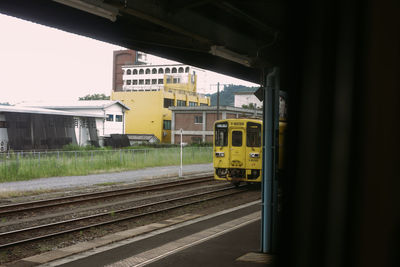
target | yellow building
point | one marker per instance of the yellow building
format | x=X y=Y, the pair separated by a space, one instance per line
x=149 y=90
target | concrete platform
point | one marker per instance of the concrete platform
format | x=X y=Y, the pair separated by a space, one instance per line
x=239 y=247
x=230 y=238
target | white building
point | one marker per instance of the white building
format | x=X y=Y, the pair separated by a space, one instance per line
x=151 y=77
x=246 y=98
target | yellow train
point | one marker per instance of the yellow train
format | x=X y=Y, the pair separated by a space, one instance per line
x=238 y=150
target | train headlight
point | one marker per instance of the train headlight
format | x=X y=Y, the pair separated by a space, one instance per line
x=254 y=155
x=219 y=154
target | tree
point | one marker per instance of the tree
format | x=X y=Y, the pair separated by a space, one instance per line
x=95 y=97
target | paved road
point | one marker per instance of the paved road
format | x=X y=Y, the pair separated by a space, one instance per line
x=86 y=180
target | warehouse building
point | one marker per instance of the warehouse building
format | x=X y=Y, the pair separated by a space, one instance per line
x=32 y=128
x=110 y=114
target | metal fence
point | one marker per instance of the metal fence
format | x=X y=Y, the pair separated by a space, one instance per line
x=19 y=164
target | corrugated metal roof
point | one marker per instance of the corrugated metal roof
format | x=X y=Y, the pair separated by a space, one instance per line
x=141 y=137
x=81 y=104
x=46 y=111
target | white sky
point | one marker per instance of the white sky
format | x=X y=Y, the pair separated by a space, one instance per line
x=42 y=63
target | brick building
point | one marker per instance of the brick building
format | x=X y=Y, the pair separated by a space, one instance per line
x=197 y=122
x=121 y=58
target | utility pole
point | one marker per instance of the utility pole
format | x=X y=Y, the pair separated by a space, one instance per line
x=180 y=169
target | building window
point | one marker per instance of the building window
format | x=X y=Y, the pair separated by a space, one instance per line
x=128 y=82
x=147 y=81
x=128 y=72
x=118 y=118
x=3 y=124
x=134 y=72
x=198 y=119
x=147 y=71
x=180 y=70
x=160 y=81
x=141 y=71
x=192 y=78
x=187 y=69
x=181 y=103
x=168 y=102
x=177 y=80
x=160 y=71
x=154 y=81
x=141 y=81
x=134 y=82
x=109 y=117
x=203 y=104
x=167 y=125
x=174 y=70
x=169 y=79
x=154 y=71
x=192 y=104
x=167 y=70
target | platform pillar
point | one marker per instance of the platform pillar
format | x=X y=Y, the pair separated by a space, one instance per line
x=269 y=184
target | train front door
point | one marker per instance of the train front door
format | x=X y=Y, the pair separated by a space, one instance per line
x=237 y=155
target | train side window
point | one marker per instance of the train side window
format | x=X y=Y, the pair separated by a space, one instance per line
x=253 y=134
x=237 y=138
x=221 y=134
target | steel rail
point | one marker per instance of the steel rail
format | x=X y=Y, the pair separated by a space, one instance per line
x=33 y=205
x=113 y=213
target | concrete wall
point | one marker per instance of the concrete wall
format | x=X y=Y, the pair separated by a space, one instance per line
x=246 y=99
x=147 y=112
x=114 y=127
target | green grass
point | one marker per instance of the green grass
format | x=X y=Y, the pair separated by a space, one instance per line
x=25 y=166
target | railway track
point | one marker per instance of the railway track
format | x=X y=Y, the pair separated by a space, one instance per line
x=36 y=233
x=54 y=202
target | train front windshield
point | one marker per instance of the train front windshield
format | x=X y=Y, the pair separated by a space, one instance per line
x=253 y=134
x=221 y=134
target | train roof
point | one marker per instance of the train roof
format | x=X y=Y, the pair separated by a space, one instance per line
x=241 y=119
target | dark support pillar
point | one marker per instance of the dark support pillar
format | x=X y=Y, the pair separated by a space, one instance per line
x=269 y=186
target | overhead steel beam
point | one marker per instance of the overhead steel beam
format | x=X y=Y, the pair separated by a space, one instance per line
x=197 y=27
x=160 y=22
x=246 y=17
